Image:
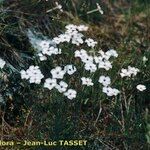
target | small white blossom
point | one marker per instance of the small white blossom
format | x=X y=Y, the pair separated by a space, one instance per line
x=141 y=87
x=70 y=69
x=131 y=71
x=65 y=38
x=51 y=50
x=105 y=57
x=42 y=57
x=112 y=52
x=87 y=59
x=110 y=91
x=124 y=73
x=71 y=27
x=105 y=80
x=98 y=59
x=62 y=86
x=82 y=28
x=145 y=59
x=24 y=74
x=77 y=39
x=81 y=53
x=50 y=83
x=87 y=81
x=44 y=44
x=71 y=94
x=90 y=67
x=2 y=63
x=105 y=64
x=90 y=42
x=57 y=73
x=56 y=40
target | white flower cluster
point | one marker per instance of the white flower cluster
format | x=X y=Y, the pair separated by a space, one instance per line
x=33 y=74
x=61 y=87
x=111 y=91
x=91 y=62
x=2 y=63
x=58 y=73
x=47 y=49
x=101 y=61
x=129 y=72
x=106 y=81
x=74 y=36
x=132 y=72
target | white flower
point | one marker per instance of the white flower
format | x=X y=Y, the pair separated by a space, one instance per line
x=51 y=50
x=87 y=81
x=141 y=87
x=56 y=40
x=105 y=64
x=110 y=91
x=112 y=52
x=82 y=28
x=50 y=83
x=90 y=42
x=33 y=74
x=2 y=63
x=104 y=55
x=80 y=53
x=42 y=57
x=57 y=51
x=65 y=37
x=71 y=27
x=44 y=44
x=70 y=69
x=24 y=74
x=71 y=94
x=116 y=92
x=87 y=59
x=104 y=80
x=57 y=73
x=98 y=59
x=90 y=67
x=62 y=86
x=131 y=71
x=77 y=39
x=145 y=59
x=125 y=73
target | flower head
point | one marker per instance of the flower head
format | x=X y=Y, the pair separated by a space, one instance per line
x=90 y=67
x=50 y=83
x=90 y=42
x=57 y=73
x=62 y=86
x=141 y=87
x=105 y=80
x=87 y=81
x=80 y=53
x=111 y=91
x=70 y=69
x=71 y=94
